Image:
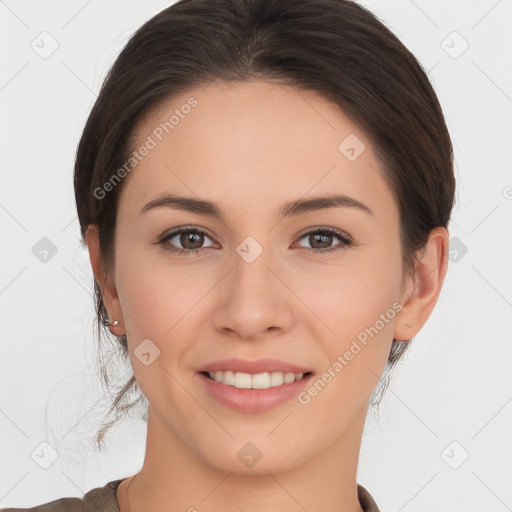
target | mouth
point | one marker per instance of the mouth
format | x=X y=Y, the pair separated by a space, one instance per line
x=253 y=386
x=264 y=380
x=253 y=393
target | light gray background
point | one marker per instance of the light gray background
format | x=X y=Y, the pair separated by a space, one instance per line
x=453 y=390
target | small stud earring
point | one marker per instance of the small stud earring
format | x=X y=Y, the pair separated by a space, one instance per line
x=114 y=323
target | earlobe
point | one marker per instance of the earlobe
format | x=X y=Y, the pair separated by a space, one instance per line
x=108 y=290
x=424 y=287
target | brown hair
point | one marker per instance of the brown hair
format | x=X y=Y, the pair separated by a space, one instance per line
x=336 y=48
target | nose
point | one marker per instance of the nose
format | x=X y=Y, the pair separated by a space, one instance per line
x=254 y=300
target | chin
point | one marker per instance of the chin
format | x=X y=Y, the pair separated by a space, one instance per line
x=254 y=455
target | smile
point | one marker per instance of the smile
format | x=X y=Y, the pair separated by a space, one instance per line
x=263 y=380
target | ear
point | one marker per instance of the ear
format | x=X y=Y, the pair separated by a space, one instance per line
x=423 y=288
x=108 y=289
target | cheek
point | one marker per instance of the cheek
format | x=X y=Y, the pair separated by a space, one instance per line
x=354 y=320
x=152 y=296
x=353 y=293
x=158 y=305
x=356 y=304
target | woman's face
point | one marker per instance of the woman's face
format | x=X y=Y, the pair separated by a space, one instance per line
x=263 y=284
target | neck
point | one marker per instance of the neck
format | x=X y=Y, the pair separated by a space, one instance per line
x=174 y=478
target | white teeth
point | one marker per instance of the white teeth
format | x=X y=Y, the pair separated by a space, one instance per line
x=228 y=378
x=242 y=380
x=276 y=379
x=257 y=381
x=260 y=380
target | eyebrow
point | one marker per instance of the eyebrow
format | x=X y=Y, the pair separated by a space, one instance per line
x=292 y=208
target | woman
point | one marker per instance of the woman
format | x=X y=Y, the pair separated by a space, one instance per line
x=264 y=188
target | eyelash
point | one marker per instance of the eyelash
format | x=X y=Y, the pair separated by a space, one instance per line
x=346 y=241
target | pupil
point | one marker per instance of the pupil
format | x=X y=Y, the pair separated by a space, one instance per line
x=323 y=238
x=189 y=238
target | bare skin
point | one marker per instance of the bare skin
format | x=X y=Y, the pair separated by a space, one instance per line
x=251 y=147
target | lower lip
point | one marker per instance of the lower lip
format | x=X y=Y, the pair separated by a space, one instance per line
x=253 y=400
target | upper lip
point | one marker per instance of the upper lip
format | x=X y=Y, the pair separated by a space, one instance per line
x=252 y=367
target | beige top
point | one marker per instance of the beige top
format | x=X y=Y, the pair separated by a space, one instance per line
x=103 y=499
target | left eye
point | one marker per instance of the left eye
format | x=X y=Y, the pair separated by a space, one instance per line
x=192 y=239
x=324 y=237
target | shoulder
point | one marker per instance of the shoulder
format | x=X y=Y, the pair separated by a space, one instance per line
x=100 y=499
x=60 y=505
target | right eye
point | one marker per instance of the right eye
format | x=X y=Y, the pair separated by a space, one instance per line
x=190 y=238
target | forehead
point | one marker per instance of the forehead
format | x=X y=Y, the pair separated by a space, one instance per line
x=252 y=144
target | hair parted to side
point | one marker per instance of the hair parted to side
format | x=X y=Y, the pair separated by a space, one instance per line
x=335 y=48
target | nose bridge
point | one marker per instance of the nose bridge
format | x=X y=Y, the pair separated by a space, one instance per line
x=252 y=281
x=251 y=268
x=256 y=299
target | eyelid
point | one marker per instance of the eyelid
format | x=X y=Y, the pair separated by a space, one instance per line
x=346 y=240
x=334 y=231
x=171 y=233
